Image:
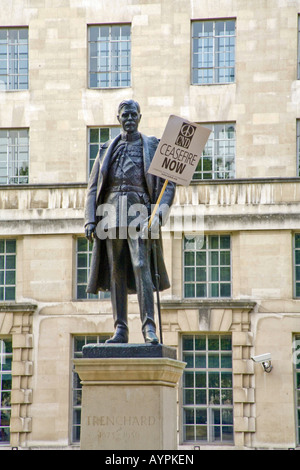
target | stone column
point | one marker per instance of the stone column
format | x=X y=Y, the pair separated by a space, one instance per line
x=129 y=399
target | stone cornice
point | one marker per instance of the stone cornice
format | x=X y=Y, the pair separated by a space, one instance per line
x=292 y=179
x=17 y=307
x=207 y=304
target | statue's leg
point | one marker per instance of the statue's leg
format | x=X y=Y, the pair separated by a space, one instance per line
x=140 y=259
x=117 y=252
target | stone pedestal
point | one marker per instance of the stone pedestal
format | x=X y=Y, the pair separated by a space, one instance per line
x=129 y=399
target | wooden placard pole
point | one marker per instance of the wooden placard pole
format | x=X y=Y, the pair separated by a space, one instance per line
x=157 y=202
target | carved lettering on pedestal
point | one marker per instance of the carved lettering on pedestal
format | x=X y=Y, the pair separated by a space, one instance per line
x=120 y=420
x=119 y=427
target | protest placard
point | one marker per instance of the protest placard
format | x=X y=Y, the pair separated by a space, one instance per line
x=179 y=150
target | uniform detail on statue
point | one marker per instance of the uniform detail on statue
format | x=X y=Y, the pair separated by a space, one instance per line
x=124 y=264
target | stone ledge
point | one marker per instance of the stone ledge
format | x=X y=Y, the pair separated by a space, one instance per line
x=16 y=307
x=128 y=351
x=129 y=371
x=207 y=304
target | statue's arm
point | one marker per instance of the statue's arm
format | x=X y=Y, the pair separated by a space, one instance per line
x=90 y=203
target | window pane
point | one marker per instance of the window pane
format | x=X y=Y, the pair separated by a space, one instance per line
x=189 y=274
x=226 y=380
x=188 y=343
x=189 y=359
x=225 y=290
x=226 y=343
x=213 y=361
x=189 y=290
x=201 y=397
x=200 y=379
x=200 y=343
x=10 y=293
x=189 y=380
x=200 y=361
x=213 y=343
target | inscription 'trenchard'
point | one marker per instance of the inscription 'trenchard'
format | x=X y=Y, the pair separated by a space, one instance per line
x=121 y=420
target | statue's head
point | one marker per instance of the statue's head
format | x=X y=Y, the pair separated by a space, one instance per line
x=129 y=116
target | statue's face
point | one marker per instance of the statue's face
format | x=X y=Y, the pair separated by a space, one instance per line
x=129 y=119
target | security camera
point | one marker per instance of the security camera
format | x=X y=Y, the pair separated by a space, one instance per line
x=264 y=360
x=261 y=357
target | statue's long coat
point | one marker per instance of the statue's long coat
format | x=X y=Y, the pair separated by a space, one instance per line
x=99 y=270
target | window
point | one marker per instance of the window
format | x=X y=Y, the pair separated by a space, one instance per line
x=207 y=266
x=7 y=270
x=213 y=52
x=297 y=264
x=78 y=343
x=84 y=255
x=296 y=357
x=13 y=59
x=109 y=56
x=297 y=382
x=5 y=389
x=96 y=137
x=218 y=157
x=14 y=156
x=298 y=147
x=207 y=388
x=298 y=74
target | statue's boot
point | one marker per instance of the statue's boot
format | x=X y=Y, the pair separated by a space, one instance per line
x=120 y=336
x=149 y=333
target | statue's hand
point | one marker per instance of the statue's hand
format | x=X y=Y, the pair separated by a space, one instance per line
x=89 y=231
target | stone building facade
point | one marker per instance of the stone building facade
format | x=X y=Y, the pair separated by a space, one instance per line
x=65 y=65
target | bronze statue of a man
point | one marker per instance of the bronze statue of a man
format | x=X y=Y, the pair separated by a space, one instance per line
x=122 y=263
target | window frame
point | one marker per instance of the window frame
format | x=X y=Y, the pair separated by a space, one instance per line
x=207 y=266
x=109 y=57
x=11 y=156
x=13 y=47
x=5 y=409
x=296 y=368
x=214 y=68
x=8 y=269
x=298 y=49
x=298 y=144
x=295 y=265
x=207 y=406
